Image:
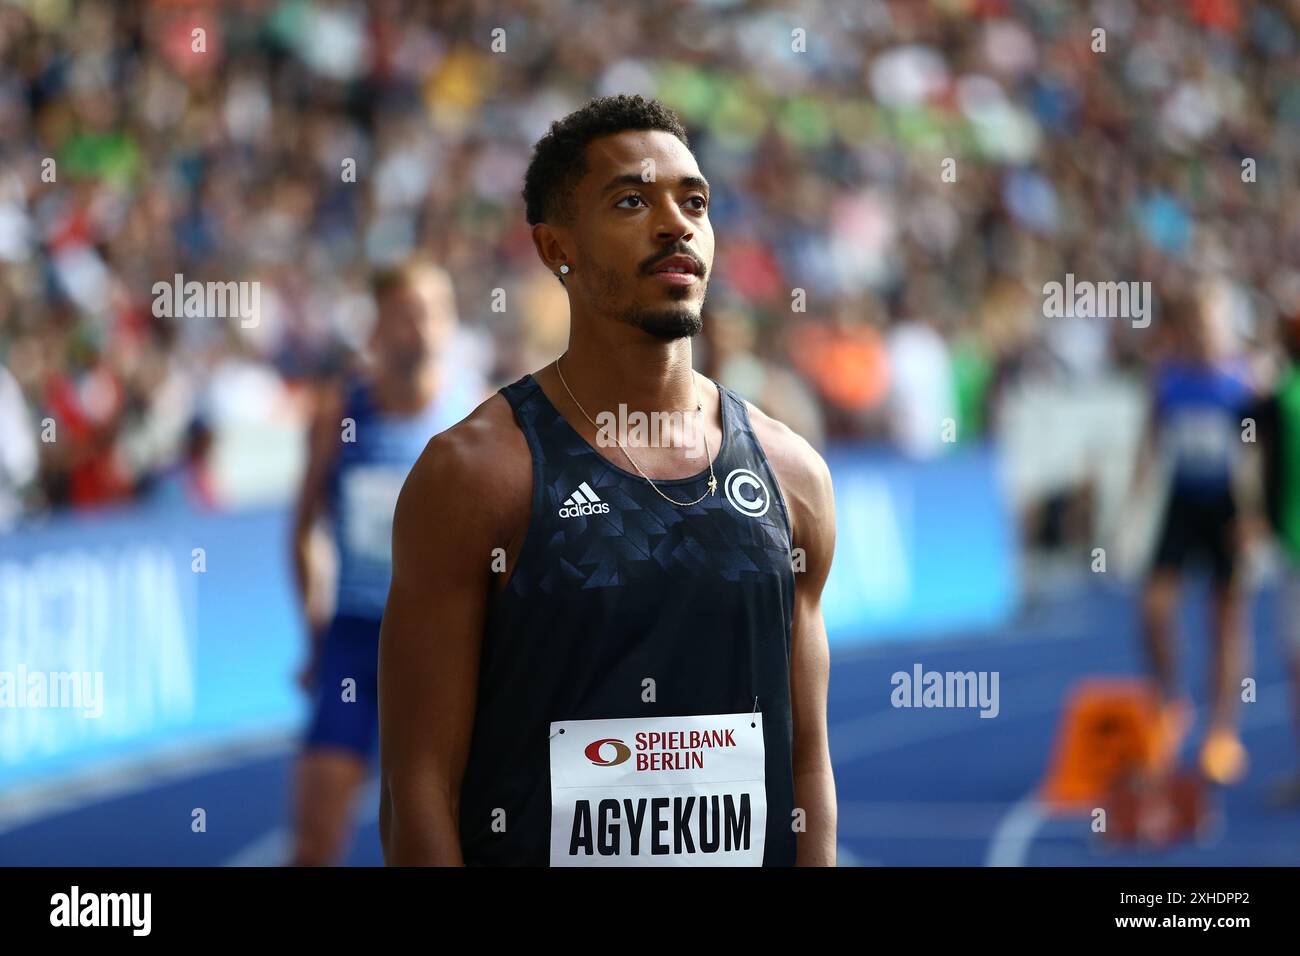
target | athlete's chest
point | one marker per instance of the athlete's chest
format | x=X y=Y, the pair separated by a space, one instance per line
x=592 y=528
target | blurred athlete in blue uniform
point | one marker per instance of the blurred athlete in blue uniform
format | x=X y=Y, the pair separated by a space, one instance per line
x=363 y=441
x=1200 y=395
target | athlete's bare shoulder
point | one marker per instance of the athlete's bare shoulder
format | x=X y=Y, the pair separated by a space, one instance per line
x=475 y=478
x=805 y=480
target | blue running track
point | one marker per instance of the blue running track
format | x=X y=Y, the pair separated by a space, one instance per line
x=915 y=787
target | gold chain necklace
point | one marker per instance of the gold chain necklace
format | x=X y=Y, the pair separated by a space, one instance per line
x=699 y=407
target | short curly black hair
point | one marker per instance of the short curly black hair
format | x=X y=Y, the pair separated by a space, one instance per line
x=559 y=158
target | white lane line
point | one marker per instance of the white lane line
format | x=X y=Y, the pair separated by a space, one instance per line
x=846 y=857
x=270 y=849
x=1010 y=843
x=274 y=847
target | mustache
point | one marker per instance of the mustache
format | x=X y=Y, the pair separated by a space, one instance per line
x=650 y=264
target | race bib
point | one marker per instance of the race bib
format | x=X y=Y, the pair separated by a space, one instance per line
x=662 y=791
x=1203 y=441
x=369 y=497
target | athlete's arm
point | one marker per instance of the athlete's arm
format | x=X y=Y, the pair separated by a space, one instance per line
x=462 y=499
x=806 y=486
x=322 y=448
x=1148 y=443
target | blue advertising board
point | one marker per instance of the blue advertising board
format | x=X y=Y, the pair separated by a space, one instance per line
x=922 y=548
x=129 y=629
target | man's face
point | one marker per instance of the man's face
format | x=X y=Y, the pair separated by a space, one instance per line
x=415 y=322
x=642 y=232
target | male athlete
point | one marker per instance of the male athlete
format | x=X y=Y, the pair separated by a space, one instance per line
x=1200 y=395
x=598 y=653
x=361 y=446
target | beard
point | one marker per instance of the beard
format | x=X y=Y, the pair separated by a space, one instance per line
x=667 y=323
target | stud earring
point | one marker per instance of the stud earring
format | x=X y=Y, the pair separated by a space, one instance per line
x=564 y=269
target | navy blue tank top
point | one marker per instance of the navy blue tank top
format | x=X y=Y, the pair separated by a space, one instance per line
x=614 y=586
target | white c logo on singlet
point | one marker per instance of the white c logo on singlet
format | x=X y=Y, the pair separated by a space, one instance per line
x=755 y=506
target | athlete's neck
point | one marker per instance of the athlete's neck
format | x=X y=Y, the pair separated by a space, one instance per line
x=649 y=376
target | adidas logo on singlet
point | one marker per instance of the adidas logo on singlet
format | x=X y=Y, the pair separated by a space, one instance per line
x=583 y=502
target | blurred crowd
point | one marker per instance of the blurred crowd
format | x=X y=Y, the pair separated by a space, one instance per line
x=894 y=181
